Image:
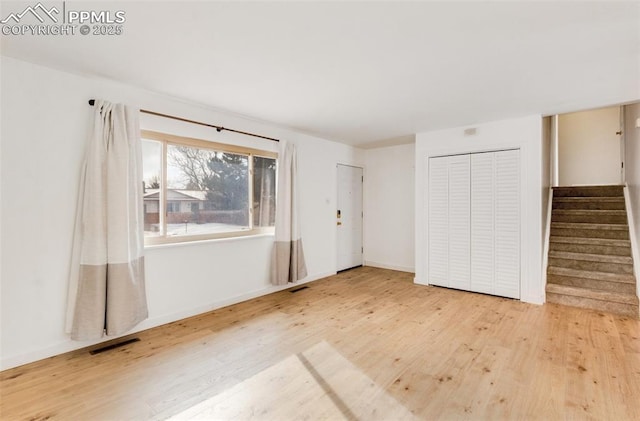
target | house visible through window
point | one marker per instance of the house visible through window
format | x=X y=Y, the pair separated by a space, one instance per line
x=194 y=189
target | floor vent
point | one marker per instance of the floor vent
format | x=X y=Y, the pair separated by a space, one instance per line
x=113 y=346
x=298 y=289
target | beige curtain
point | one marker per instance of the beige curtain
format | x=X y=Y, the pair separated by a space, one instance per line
x=106 y=287
x=287 y=261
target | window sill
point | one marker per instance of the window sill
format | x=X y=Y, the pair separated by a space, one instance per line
x=206 y=241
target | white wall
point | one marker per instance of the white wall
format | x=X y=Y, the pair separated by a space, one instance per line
x=45 y=119
x=589 y=149
x=632 y=176
x=523 y=133
x=389 y=207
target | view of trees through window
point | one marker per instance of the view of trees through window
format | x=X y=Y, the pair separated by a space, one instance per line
x=207 y=190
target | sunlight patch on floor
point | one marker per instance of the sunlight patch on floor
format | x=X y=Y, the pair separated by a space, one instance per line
x=316 y=384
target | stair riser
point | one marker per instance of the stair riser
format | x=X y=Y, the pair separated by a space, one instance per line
x=611 y=277
x=603 y=285
x=573 y=232
x=599 y=191
x=628 y=310
x=592 y=266
x=591 y=249
x=590 y=219
x=589 y=205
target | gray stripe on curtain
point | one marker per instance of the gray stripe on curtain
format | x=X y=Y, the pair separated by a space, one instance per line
x=107 y=285
x=287 y=260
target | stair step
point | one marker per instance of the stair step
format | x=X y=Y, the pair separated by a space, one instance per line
x=590 y=216
x=589 y=226
x=600 y=284
x=588 y=191
x=618 y=199
x=589 y=230
x=619 y=235
x=593 y=294
x=588 y=274
x=590 y=245
x=595 y=203
x=591 y=257
x=590 y=249
x=590 y=212
x=619 y=268
x=628 y=310
x=591 y=241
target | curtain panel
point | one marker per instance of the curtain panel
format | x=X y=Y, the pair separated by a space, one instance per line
x=287 y=260
x=107 y=286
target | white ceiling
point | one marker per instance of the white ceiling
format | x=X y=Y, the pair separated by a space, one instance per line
x=363 y=72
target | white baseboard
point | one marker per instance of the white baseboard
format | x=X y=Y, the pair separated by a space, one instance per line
x=525 y=299
x=69 y=345
x=420 y=281
x=533 y=299
x=388 y=266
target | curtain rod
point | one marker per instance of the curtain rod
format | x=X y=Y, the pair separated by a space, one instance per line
x=218 y=128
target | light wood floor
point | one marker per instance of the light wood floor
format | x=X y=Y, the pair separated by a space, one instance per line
x=365 y=344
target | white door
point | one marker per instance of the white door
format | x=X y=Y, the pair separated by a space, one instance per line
x=483 y=198
x=459 y=222
x=439 y=221
x=474 y=222
x=507 y=224
x=449 y=221
x=349 y=217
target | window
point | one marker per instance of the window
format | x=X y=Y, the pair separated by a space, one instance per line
x=195 y=189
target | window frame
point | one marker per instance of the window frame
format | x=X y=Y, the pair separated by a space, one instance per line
x=166 y=139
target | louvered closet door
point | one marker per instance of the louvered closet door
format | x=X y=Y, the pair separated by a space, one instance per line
x=438 y=221
x=459 y=222
x=482 y=222
x=474 y=222
x=507 y=224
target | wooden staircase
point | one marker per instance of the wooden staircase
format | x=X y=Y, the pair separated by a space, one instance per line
x=590 y=263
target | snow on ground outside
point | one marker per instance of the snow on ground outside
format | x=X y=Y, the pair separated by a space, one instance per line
x=190 y=228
